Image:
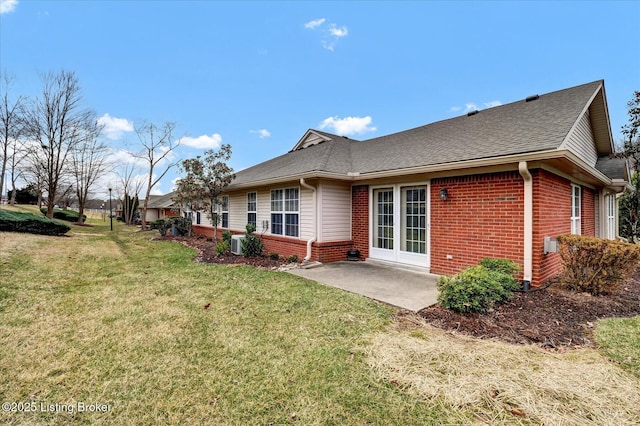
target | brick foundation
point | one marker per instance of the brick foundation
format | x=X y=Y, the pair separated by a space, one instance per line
x=321 y=252
x=360 y=219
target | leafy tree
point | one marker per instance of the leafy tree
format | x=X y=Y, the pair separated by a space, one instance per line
x=204 y=182
x=630 y=202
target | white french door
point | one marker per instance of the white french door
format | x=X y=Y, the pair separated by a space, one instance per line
x=400 y=224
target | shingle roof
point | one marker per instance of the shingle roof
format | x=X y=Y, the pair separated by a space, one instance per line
x=613 y=168
x=514 y=128
x=161 y=201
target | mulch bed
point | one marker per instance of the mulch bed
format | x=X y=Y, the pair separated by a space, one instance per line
x=208 y=254
x=551 y=317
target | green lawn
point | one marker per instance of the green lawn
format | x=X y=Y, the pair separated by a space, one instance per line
x=116 y=319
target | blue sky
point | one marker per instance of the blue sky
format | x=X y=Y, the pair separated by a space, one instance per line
x=257 y=75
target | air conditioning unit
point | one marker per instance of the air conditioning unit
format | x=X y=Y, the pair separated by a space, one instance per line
x=236 y=244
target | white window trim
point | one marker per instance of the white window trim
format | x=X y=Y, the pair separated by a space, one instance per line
x=284 y=211
x=255 y=210
x=610 y=205
x=576 y=220
x=224 y=208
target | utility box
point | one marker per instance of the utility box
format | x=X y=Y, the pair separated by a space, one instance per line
x=550 y=245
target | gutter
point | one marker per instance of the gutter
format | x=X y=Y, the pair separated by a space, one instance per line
x=315 y=219
x=528 y=224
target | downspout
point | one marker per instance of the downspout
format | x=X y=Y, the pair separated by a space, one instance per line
x=528 y=224
x=315 y=220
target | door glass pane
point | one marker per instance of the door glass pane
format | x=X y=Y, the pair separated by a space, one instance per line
x=413 y=221
x=383 y=218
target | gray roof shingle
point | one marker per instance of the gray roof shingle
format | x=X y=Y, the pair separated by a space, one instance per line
x=514 y=128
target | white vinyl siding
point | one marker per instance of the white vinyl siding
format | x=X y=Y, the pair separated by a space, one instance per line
x=610 y=205
x=335 y=211
x=582 y=142
x=307 y=214
x=576 y=209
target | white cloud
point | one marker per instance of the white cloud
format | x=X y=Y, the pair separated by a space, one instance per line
x=262 y=133
x=202 y=142
x=455 y=108
x=114 y=127
x=313 y=24
x=492 y=104
x=338 y=32
x=470 y=107
x=330 y=35
x=7 y=6
x=348 y=125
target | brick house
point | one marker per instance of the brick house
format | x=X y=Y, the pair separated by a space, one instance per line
x=440 y=197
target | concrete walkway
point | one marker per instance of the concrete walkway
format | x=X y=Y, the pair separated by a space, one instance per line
x=399 y=287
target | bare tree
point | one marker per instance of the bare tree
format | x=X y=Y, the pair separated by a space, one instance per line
x=11 y=121
x=157 y=148
x=55 y=122
x=88 y=162
x=131 y=188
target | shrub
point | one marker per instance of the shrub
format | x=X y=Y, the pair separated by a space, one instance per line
x=30 y=223
x=251 y=245
x=274 y=256
x=68 y=215
x=182 y=225
x=475 y=289
x=223 y=247
x=226 y=236
x=162 y=225
x=505 y=266
x=594 y=265
x=292 y=259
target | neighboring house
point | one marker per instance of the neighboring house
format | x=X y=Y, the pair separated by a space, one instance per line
x=159 y=206
x=442 y=196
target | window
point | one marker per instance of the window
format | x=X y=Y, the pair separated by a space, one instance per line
x=285 y=212
x=576 y=198
x=224 y=209
x=198 y=219
x=611 y=217
x=414 y=218
x=252 y=208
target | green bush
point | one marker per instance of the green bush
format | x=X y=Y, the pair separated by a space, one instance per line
x=595 y=265
x=67 y=215
x=181 y=224
x=475 y=289
x=30 y=223
x=223 y=247
x=505 y=266
x=162 y=225
x=292 y=259
x=251 y=245
x=274 y=256
x=226 y=236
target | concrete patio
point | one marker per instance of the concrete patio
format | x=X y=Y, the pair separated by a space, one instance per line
x=404 y=288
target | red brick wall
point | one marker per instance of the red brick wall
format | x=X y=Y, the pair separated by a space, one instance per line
x=588 y=212
x=360 y=219
x=482 y=217
x=551 y=217
x=323 y=252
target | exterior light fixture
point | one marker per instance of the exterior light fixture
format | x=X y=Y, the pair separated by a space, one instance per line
x=444 y=194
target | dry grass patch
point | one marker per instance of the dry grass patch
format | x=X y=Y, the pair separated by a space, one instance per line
x=497 y=382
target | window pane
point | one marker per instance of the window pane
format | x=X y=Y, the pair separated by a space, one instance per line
x=291 y=199
x=276 y=200
x=251 y=219
x=276 y=223
x=291 y=225
x=252 y=202
x=225 y=220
